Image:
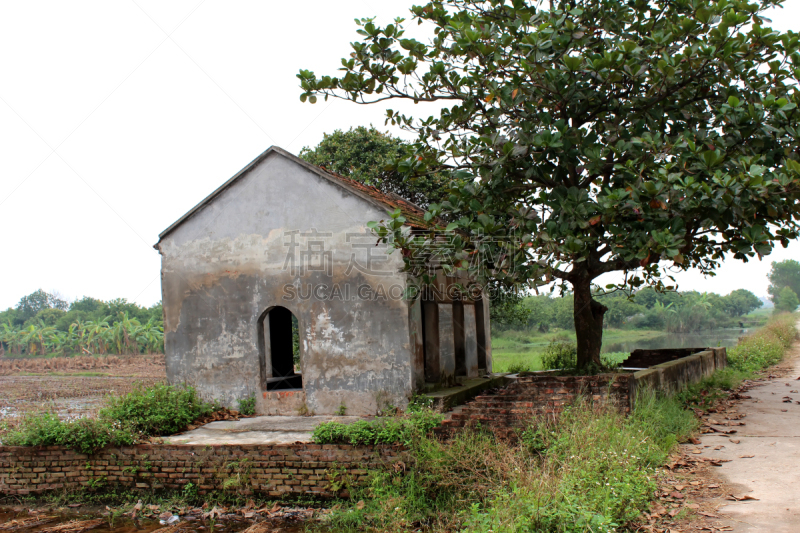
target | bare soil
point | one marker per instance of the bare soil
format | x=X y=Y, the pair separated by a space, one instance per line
x=72 y=386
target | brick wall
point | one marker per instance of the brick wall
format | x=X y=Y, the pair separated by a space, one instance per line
x=275 y=470
x=505 y=411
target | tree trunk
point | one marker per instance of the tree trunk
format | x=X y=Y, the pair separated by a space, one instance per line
x=588 y=315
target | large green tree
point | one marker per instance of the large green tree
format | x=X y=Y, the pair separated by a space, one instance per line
x=365 y=155
x=594 y=136
x=740 y=302
x=784 y=274
x=786 y=301
x=39 y=300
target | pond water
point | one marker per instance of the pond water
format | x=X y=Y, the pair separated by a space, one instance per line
x=699 y=339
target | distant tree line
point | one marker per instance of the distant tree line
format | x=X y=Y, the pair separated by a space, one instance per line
x=678 y=312
x=43 y=323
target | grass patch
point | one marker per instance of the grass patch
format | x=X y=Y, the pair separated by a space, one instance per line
x=385 y=430
x=157 y=410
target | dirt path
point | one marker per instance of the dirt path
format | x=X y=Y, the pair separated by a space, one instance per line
x=765 y=463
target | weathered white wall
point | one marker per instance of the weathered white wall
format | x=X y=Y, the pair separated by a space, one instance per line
x=227 y=264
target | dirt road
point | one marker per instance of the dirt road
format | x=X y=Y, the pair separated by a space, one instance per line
x=765 y=463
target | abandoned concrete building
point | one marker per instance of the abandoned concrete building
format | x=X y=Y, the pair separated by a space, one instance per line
x=274 y=287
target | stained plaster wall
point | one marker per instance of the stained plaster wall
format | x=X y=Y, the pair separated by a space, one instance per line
x=223 y=267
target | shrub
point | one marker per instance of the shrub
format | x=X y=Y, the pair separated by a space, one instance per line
x=560 y=355
x=516 y=368
x=37 y=429
x=85 y=435
x=157 y=410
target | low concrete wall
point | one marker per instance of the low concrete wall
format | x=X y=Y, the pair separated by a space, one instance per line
x=276 y=470
x=674 y=375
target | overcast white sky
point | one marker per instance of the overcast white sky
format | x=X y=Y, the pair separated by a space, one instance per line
x=116 y=117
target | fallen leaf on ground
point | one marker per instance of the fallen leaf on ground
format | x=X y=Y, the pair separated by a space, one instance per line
x=740 y=498
x=713 y=486
x=746 y=456
x=709 y=515
x=360 y=505
x=735 y=441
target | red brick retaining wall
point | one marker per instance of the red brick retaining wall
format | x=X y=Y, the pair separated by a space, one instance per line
x=544 y=393
x=528 y=396
x=274 y=470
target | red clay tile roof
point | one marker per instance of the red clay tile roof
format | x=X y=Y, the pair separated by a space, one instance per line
x=414 y=215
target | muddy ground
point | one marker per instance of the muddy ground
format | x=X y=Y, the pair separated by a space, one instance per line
x=76 y=518
x=72 y=386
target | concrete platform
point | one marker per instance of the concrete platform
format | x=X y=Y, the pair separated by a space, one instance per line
x=289 y=429
x=257 y=430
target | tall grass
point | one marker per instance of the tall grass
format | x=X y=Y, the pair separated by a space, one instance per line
x=593 y=470
x=766 y=346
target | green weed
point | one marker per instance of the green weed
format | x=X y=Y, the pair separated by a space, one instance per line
x=385 y=430
x=247 y=406
x=158 y=410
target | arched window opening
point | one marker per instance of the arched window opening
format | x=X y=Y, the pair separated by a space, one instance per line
x=279 y=350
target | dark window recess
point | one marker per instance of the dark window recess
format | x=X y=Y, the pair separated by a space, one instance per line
x=430 y=335
x=459 y=341
x=281 y=341
x=480 y=333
